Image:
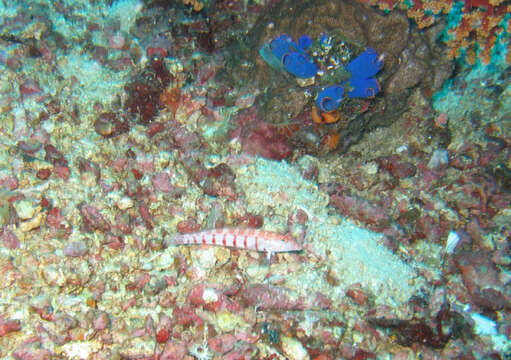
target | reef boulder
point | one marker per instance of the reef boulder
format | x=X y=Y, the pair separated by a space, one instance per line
x=412 y=60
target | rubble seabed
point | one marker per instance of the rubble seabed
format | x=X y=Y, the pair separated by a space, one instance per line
x=85 y=273
x=355 y=254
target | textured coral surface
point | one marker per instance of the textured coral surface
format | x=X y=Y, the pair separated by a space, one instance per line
x=475 y=27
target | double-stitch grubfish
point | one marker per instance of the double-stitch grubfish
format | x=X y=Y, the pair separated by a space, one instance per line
x=250 y=239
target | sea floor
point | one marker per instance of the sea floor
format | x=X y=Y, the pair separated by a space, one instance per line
x=405 y=241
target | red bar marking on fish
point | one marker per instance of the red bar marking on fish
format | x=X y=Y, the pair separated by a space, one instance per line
x=213 y=240
x=245 y=241
x=223 y=240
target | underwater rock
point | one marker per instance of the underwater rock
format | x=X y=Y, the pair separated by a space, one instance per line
x=174 y=350
x=93 y=219
x=110 y=125
x=477 y=270
x=265 y=140
x=75 y=249
x=145 y=88
x=411 y=60
x=8 y=238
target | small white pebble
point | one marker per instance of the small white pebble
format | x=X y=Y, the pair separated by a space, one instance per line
x=370 y=168
x=209 y=295
x=125 y=202
x=401 y=149
x=80 y=350
x=293 y=349
x=206 y=257
x=25 y=209
x=439 y=158
x=452 y=241
x=483 y=325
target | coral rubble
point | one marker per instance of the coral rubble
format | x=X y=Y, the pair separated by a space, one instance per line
x=129 y=127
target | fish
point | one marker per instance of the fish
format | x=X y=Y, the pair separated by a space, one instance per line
x=240 y=238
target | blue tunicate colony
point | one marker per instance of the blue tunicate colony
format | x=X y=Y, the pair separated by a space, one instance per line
x=282 y=53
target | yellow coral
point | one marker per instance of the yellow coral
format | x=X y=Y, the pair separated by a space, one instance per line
x=197 y=5
x=476 y=33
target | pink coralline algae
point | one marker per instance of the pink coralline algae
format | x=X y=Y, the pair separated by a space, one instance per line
x=9 y=326
x=368 y=212
x=163 y=328
x=211 y=299
x=114 y=242
x=92 y=218
x=43 y=174
x=215 y=181
x=75 y=249
x=161 y=182
x=9 y=239
x=222 y=343
x=55 y=219
x=397 y=168
x=101 y=321
x=481 y=276
x=30 y=87
x=186 y=316
x=62 y=171
x=266 y=141
x=60 y=164
x=154 y=128
x=358 y=295
x=9 y=182
x=267 y=297
x=174 y=350
x=260 y=138
x=146 y=215
x=187 y=226
x=28 y=353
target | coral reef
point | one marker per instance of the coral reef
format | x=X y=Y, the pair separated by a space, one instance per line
x=128 y=127
x=412 y=61
x=474 y=29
